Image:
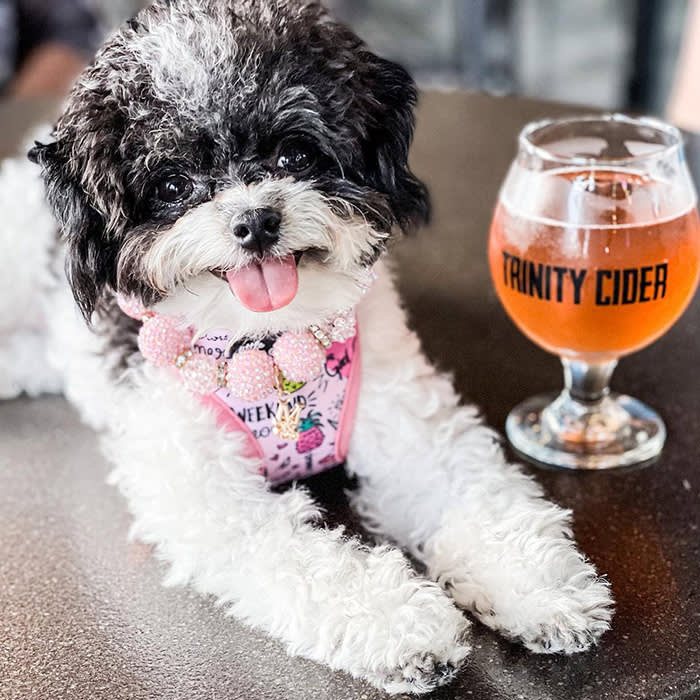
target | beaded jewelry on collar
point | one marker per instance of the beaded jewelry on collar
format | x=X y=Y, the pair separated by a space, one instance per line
x=249 y=374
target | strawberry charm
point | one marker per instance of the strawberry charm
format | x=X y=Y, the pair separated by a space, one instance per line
x=310 y=434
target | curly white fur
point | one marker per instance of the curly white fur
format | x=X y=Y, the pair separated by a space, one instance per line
x=433 y=479
x=27 y=236
x=220 y=528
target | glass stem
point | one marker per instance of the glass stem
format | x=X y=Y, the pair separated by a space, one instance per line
x=588 y=383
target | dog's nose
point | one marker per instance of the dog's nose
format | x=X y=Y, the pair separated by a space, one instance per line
x=258 y=229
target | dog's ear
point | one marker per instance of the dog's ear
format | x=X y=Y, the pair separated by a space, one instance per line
x=82 y=226
x=390 y=101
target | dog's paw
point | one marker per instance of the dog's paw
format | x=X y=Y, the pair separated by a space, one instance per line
x=423 y=673
x=577 y=620
x=524 y=579
x=565 y=620
x=413 y=640
x=423 y=661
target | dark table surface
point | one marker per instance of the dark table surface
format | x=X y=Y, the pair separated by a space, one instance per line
x=83 y=613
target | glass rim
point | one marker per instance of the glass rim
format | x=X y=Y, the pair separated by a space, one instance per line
x=526 y=144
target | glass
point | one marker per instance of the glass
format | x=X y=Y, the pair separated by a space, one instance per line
x=595 y=253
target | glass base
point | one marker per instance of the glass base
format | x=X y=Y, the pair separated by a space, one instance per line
x=616 y=431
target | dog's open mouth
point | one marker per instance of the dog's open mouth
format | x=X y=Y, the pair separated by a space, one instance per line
x=267 y=284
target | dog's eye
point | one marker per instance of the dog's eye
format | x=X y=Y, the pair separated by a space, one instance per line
x=174 y=188
x=296 y=157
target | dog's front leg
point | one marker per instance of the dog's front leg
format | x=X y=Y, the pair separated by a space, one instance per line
x=220 y=528
x=436 y=481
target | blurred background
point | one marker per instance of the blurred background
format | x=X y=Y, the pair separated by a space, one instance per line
x=634 y=55
x=608 y=53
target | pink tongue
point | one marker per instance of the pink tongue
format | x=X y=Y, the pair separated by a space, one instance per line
x=265 y=286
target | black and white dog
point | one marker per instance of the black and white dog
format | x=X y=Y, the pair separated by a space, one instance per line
x=192 y=116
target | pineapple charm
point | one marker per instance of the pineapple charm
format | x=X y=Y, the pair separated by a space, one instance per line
x=310 y=434
x=287 y=418
x=287 y=421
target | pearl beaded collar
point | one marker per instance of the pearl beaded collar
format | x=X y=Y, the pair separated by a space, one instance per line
x=249 y=374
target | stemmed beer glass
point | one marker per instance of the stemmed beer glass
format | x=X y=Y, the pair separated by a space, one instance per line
x=595 y=253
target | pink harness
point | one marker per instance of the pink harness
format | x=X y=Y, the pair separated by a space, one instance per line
x=296 y=426
x=328 y=411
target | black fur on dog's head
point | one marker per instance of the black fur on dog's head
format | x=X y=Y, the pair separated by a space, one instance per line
x=198 y=111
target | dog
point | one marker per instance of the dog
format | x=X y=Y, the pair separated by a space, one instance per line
x=243 y=165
